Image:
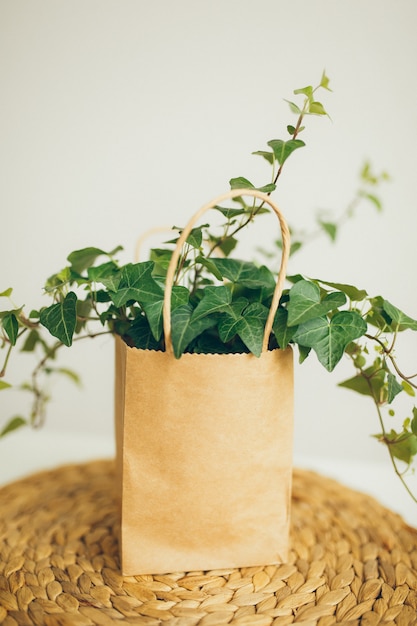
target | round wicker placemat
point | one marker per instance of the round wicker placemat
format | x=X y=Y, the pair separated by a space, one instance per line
x=351 y=562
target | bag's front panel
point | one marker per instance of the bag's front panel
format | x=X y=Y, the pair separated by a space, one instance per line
x=207 y=460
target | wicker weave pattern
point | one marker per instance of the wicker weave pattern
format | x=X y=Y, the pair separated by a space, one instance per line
x=352 y=562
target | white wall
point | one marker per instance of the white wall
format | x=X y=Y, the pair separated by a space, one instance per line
x=120 y=115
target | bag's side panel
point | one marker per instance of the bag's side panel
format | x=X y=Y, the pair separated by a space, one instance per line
x=119 y=406
x=207 y=461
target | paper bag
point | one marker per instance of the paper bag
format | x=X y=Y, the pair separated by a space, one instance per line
x=204 y=457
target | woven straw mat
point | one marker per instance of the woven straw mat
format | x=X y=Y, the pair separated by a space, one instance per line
x=351 y=562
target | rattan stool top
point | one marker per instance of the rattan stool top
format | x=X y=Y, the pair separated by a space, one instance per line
x=351 y=562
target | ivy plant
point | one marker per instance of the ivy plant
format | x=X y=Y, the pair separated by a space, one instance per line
x=220 y=303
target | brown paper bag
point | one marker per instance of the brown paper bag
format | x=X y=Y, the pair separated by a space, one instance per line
x=204 y=451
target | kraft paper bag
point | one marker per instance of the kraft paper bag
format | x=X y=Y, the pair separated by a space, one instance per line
x=204 y=452
x=204 y=447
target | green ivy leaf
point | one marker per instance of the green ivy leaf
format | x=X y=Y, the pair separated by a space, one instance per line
x=100 y=272
x=402 y=445
x=324 y=82
x=137 y=284
x=211 y=267
x=409 y=390
x=303 y=353
x=376 y=314
x=31 y=341
x=329 y=228
x=11 y=327
x=306 y=304
x=195 y=238
x=61 y=318
x=245 y=273
x=394 y=387
x=373 y=199
x=307 y=91
x=283 y=149
x=400 y=321
x=295 y=278
x=329 y=338
x=82 y=259
x=154 y=310
x=84 y=308
x=282 y=331
x=216 y=299
x=241 y=183
x=244 y=183
x=413 y=424
x=269 y=188
x=13 y=424
x=141 y=335
x=353 y=293
x=161 y=258
x=294 y=107
x=230 y=213
x=294 y=247
x=251 y=327
x=7 y=293
x=70 y=374
x=368 y=176
x=4 y=385
x=184 y=330
x=316 y=108
x=370 y=383
x=228 y=323
x=112 y=281
x=269 y=156
x=246 y=321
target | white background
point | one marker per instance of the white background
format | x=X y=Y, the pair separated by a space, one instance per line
x=117 y=116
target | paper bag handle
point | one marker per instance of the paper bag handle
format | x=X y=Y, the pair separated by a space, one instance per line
x=182 y=238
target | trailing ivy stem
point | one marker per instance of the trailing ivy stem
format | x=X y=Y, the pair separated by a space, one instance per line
x=388 y=353
x=256 y=210
x=9 y=350
x=6 y=360
x=37 y=413
x=394 y=339
x=294 y=136
x=385 y=439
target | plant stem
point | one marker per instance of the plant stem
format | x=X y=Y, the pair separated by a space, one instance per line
x=256 y=209
x=37 y=415
x=6 y=360
x=9 y=350
x=393 y=461
x=384 y=436
x=388 y=353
